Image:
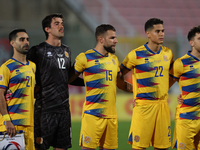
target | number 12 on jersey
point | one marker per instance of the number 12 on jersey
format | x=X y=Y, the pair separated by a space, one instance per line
x=108 y=75
x=61 y=63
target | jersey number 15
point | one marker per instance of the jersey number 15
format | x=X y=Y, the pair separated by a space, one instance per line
x=108 y=75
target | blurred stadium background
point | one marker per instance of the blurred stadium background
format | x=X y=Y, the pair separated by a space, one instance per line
x=81 y=19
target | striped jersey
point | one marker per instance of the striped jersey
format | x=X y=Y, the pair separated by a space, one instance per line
x=150 y=72
x=187 y=70
x=100 y=78
x=19 y=80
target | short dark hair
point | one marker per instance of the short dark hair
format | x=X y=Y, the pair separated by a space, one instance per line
x=46 y=22
x=192 y=32
x=153 y=21
x=103 y=28
x=13 y=34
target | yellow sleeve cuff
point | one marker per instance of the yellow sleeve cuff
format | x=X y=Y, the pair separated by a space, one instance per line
x=6 y=117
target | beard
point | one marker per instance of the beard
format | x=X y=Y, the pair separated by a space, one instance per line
x=109 y=49
x=23 y=50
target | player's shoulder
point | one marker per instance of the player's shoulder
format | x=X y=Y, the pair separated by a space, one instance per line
x=31 y=63
x=9 y=61
x=164 y=48
x=113 y=56
x=183 y=58
x=140 y=48
x=7 y=64
x=89 y=51
x=66 y=47
x=38 y=46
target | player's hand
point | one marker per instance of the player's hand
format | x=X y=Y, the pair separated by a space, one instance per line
x=133 y=103
x=180 y=99
x=10 y=129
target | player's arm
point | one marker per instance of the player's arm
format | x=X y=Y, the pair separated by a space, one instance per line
x=123 y=85
x=180 y=99
x=10 y=129
x=172 y=81
x=123 y=70
x=74 y=79
x=77 y=68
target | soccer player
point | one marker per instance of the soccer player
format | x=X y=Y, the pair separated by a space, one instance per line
x=101 y=74
x=17 y=77
x=52 y=121
x=150 y=64
x=186 y=70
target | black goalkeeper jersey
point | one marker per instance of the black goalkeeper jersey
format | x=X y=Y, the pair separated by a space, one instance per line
x=52 y=73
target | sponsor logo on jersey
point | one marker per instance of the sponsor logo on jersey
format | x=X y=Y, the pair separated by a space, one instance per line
x=17 y=71
x=49 y=54
x=39 y=140
x=136 y=138
x=12 y=145
x=113 y=61
x=146 y=60
x=97 y=62
x=87 y=139
x=165 y=58
x=60 y=55
x=28 y=71
x=108 y=63
x=181 y=145
x=157 y=61
x=191 y=67
x=66 y=54
x=1 y=77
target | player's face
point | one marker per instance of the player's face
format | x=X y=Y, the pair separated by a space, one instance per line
x=156 y=35
x=21 y=43
x=110 y=41
x=57 y=28
x=196 y=42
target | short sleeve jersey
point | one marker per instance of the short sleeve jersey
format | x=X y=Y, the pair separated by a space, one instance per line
x=100 y=77
x=187 y=70
x=150 y=72
x=53 y=65
x=19 y=80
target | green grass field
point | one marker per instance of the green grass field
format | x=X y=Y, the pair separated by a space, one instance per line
x=123 y=135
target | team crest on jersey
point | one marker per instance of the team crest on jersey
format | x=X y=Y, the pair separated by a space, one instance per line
x=87 y=139
x=67 y=54
x=165 y=58
x=39 y=140
x=49 y=54
x=1 y=77
x=113 y=61
x=181 y=145
x=136 y=138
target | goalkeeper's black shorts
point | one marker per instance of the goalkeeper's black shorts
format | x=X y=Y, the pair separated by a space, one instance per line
x=52 y=129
